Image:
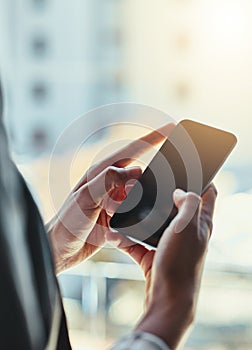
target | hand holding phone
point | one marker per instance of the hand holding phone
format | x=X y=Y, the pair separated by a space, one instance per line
x=189 y=159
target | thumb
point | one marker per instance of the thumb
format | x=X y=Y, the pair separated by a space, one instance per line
x=188 y=204
x=179 y=197
x=110 y=178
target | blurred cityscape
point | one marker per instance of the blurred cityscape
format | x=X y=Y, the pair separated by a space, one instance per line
x=189 y=58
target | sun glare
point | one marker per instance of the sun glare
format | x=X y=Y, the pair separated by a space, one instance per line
x=226 y=22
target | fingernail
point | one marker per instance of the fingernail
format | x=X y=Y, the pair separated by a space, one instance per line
x=114 y=244
x=137 y=168
x=180 y=193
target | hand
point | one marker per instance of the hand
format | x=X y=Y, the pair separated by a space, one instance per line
x=173 y=272
x=78 y=230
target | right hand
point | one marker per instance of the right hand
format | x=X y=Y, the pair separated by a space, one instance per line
x=173 y=273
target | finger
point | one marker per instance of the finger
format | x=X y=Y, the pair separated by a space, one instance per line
x=208 y=203
x=129 y=153
x=139 y=253
x=136 y=148
x=188 y=210
x=97 y=236
x=91 y=195
x=118 y=195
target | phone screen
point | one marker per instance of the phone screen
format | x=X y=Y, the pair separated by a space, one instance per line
x=188 y=159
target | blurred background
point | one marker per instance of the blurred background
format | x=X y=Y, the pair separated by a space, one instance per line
x=190 y=59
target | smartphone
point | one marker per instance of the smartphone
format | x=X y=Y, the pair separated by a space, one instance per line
x=189 y=159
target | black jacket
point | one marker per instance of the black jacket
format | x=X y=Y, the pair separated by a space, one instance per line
x=31 y=312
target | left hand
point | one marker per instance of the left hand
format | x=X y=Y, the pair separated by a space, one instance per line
x=78 y=230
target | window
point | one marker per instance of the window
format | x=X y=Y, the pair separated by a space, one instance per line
x=39 y=46
x=182 y=90
x=39 y=92
x=39 y=139
x=39 y=3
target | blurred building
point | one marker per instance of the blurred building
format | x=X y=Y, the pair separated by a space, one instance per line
x=61 y=58
x=188 y=58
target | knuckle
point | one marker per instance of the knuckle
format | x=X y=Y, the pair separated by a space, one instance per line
x=115 y=175
x=130 y=249
x=110 y=169
x=78 y=196
x=90 y=173
x=191 y=318
x=194 y=198
x=209 y=222
x=111 y=172
x=112 y=176
x=194 y=223
x=214 y=189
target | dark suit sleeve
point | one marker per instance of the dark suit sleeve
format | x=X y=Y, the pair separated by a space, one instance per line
x=31 y=312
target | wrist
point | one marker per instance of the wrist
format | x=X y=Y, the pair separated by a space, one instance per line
x=169 y=318
x=57 y=258
x=58 y=249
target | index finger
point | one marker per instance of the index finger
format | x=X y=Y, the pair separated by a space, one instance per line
x=129 y=153
x=136 y=251
x=208 y=203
